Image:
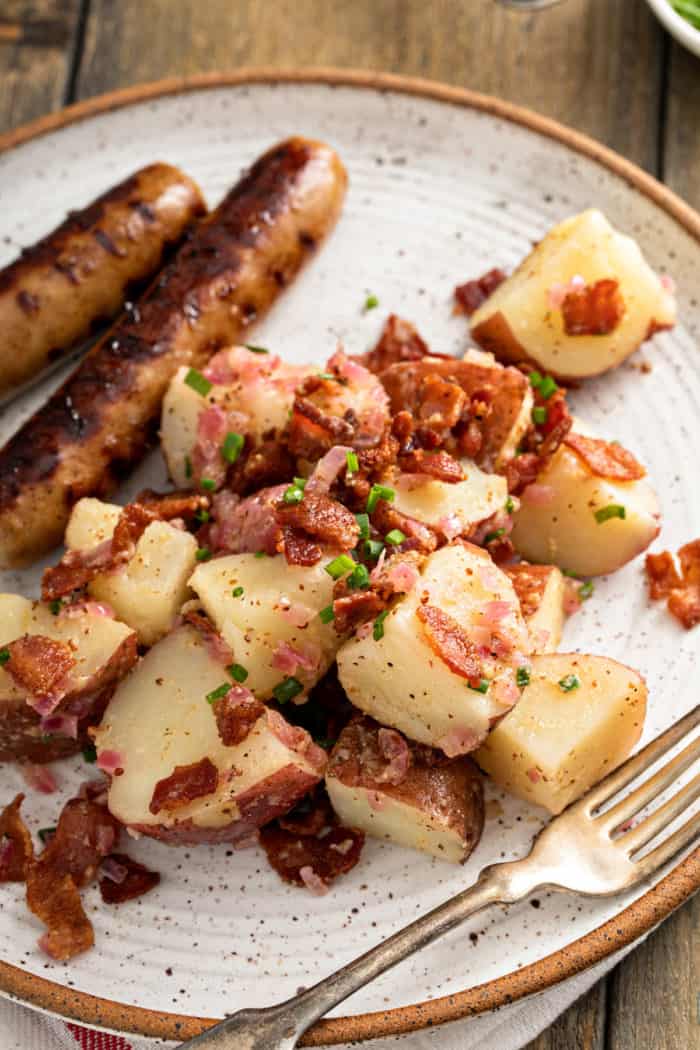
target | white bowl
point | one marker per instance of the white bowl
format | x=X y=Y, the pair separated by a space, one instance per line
x=677 y=26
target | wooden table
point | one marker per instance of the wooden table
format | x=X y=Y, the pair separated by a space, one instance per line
x=603 y=66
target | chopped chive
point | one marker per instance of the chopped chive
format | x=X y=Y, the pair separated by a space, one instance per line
x=539 y=414
x=326 y=742
x=4 y=656
x=547 y=388
x=256 y=349
x=46 y=833
x=586 y=590
x=287 y=689
x=327 y=375
x=237 y=592
x=569 y=683
x=198 y=382
x=395 y=537
x=231 y=448
x=202 y=516
x=378 y=629
x=90 y=753
x=495 y=535
x=202 y=554
x=238 y=672
x=326 y=615
x=293 y=495
x=358 y=578
x=300 y=483
x=55 y=606
x=376 y=493
x=482 y=687
x=613 y=510
x=339 y=566
x=535 y=379
x=353 y=462
x=363 y=521
x=188 y=467
x=522 y=677
x=568 y=572
x=371 y=302
x=260 y=554
x=372 y=549
x=510 y=505
x=218 y=693
x=208 y=484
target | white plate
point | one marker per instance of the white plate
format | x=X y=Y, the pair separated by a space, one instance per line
x=441 y=188
x=685 y=33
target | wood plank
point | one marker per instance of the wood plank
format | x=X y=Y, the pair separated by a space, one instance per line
x=681 y=153
x=596 y=65
x=581 y=1027
x=35 y=56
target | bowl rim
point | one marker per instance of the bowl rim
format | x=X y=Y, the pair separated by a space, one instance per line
x=679 y=27
x=621 y=930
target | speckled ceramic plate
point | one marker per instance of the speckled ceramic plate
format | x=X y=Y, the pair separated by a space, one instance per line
x=444 y=184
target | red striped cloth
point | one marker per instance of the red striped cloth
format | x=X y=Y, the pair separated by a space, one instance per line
x=89 y=1040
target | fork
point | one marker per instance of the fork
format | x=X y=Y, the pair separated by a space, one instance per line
x=587 y=849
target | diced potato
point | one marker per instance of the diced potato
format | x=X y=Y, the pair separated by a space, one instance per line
x=443 y=505
x=258 y=388
x=438 y=807
x=562 y=737
x=401 y=681
x=510 y=397
x=104 y=650
x=148 y=591
x=159 y=718
x=541 y=591
x=260 y=625
x=523 y=321
x=563 y=527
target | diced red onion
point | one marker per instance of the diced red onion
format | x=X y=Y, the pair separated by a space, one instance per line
x=41 y=778
x=114 y=871
x=75 y=609
x=327 y=470
x=450 y=526
x=534 y=775
x=668 y=283
x=402 y=576
x=312 y=881
x=110 y=761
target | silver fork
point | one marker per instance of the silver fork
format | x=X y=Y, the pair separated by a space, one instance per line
x=586 y=849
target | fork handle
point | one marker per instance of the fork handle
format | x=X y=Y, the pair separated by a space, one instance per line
x=279 y=1027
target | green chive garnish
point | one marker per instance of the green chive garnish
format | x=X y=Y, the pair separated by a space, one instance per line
x=535 y=379
x=231 y=448
x=90 y=753
x=326 y=615
x=539 y=414
x=198 y=382
x=613 y=510
x=188 y=467
x=218 y=693
x=46 y=833
x=287 y=689
x=237 y=592
x=570 y=682
x=395 y=537
x=378 y=629
x=328 y=375
x=256 y=349
x=371 y=302
x=495 y=535
x=522 y=677
x=376 y=493
x=208 y=484
x=202 y=554
x=363 y=521
x=353 y=462
x=372 y=549
x=4 y=656
x=547 y=388
x=510 y=505
x=482 y=687
x=202 y=516
x=293 y=495
x=55 y=606
x=586 y=590
x=300 y=483
x=238 y=672
x=358 y=578
x=339 y=566
x=260 y=554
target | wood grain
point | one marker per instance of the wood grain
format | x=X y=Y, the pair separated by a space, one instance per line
x=681 y=153
x=581 y=1027
x=36 y=47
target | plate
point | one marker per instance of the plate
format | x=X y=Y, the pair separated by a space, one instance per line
x=679 y=28
x=444 y=184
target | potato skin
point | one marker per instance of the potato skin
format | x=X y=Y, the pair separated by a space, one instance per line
x=230 y=270
x=55 y=293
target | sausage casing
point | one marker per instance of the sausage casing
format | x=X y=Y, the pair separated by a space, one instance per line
x=231 y=268
x=56 y=293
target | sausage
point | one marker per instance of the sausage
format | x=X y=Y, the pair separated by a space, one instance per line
x=59 y=290
x=230 y=270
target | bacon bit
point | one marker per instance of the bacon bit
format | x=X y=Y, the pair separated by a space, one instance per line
x=440 y=465
x=397 y=753
x=419 y=537
x=460 y=742
x=311 y=816
x=60 y=725
x=529 y=583
x=322 y=518
x=472 y=294
x=246 y=526
x=595 y=309
x=75 y=570
x=16 y=847
x=683 y=591
x=312 y=881
x=41 y=778
x=605 y=459
x=356 y=608
x=399 y=341
x=400 y=575
x=312 y=432
x=287 y=658
x=299 y=549
x=134 y=879
x=111 y=762
x=184 y=784
x=441 y=402
x=57 y=903
x=215 y=645
x=213 y=424
x=557 y=292
x=450 y=642
x=296 y=739
x=685 y=606
x=41 y=666
x=321 y=857
x=534 y=775
x=236 y=713
x=662 y=575
x=170 y=505
x=521 y=472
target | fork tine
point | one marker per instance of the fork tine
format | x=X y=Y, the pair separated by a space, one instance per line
x=631 y=769
x=649 y=789
x=648 y=828
x=668 y=849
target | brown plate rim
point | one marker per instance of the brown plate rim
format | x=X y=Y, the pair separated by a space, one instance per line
x=623 y=929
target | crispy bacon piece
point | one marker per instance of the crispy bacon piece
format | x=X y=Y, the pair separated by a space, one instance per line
x=40 y=665
x=133 y=522
x=137 y=880
x=314 y=861
x=236 y=714
x=441 y=402
x=419 y=537
x=75 y=570
x=529 y=583
x=169 y=505
x=217 y=648
x=246 y=526
x=399 y=341
x=662 y=574
x=269 y=463
x=605 y=459
x=472 y=294
x=322 y=518
x=522 y=471
x=16 y=848
x=556 y=426
x=595 y=309
x=184 y=784
x=683 y=591
x=684 y=604
x=440 y=465
x=397 y=755
x=54 y=898
x=450 y=642
x=312 y=432
x=354 y=608
x=299 y=549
